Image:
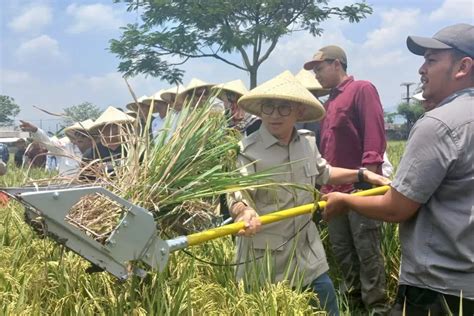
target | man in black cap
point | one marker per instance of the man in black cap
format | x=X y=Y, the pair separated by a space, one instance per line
x=432 y=195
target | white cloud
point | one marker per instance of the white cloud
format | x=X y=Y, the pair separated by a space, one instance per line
x=93 y=17
x=32 y=19
x=39 y=48
x=454 y=10
x=13 y=76
x=395 y=25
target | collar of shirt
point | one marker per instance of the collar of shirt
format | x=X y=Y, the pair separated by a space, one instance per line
x=340 y=87
x=270 y=140
x=456 y=94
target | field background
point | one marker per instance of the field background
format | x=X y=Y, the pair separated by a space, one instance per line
x=37 y=277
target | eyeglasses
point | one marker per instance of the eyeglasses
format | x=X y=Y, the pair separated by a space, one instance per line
x=79 y=135
x=283 y=109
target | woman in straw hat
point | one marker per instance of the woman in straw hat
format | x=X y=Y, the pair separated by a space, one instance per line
x=111 y=128
x=159 y=106
x=68 y=151
x=141 y=107
x=280 y=103
x=229 y=93
x=196 y=92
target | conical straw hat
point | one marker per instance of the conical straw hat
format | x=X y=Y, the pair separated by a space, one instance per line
x=169 y=94
x=308 y=80
x=283 y=87
x=193 y=84
x=235 y=86
x=418 y=97
x=132 y=106
x=83 y=126
x=111 y=116
x=132 y=113
x=156 y=100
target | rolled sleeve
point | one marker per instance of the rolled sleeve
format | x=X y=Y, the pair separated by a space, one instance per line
x=324 y=171
x=370 y=114
x=429 y=154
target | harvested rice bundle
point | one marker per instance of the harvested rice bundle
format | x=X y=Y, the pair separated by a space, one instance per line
x=178 y=176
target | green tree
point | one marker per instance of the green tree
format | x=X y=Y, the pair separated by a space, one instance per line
x=410 y=112
x=8 y=110
x=81 y=112
x=389 y=116
x=172 y=32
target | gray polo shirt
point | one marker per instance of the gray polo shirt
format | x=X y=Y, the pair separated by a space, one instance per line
x=437 y=170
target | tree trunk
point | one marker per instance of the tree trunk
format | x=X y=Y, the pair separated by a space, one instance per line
x=253 y=77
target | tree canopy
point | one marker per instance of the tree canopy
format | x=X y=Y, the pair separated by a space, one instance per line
x=8 y=110
x=81 y=112
x=172 y=32
x=411 y=112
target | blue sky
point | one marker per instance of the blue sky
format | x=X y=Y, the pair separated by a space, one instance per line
x=53 y=53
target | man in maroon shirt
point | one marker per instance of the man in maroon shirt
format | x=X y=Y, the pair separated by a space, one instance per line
x=352 y=136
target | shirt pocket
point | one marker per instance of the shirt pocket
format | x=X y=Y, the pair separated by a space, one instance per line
x=265 y=240
x=311 y=170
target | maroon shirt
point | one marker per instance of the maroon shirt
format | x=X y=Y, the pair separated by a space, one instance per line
x=352 y=132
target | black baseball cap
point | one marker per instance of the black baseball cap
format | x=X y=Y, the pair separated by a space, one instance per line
x=458 y=36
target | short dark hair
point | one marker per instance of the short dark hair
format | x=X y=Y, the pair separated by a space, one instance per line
x=344 y=66
x=457 y=55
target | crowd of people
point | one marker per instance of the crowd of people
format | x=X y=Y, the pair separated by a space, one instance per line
x=431 y=196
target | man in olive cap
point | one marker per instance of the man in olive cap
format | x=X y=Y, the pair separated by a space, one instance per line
x=353 y=136
x=432 y=195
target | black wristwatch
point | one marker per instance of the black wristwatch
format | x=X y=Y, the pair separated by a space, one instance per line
x=360 y=174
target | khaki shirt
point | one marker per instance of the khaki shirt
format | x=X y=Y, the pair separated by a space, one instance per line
x=298 y=162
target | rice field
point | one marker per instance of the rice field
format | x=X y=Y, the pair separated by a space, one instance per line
x=39 y=277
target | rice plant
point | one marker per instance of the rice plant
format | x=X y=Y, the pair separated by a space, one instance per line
x=39 y=277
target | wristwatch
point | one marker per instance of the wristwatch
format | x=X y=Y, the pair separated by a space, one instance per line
x=360 y=174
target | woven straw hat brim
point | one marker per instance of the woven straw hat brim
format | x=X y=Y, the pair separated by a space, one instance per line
x=283 y=87
x=111 y=116
x=156 y=100
x=182 y=95
x=193 y=84
x=169 y=94
x=83 y=126
x=308 y=80
x=314 y=111
x=235 y=86
x=132 y=106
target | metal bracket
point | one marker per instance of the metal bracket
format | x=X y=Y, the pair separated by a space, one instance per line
x=134 y=239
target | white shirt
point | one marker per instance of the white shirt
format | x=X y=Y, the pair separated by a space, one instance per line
x=157 y=125
x=68 y=155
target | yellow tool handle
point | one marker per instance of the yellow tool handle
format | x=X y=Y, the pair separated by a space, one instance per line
x=201 y=237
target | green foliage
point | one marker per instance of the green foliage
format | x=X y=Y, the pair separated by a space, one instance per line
x=81 y=112
x=185 y=29
x=37 y=277
x=8 y=110
x=411 y=112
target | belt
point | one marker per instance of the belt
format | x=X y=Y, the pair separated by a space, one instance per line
x=421 y=297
